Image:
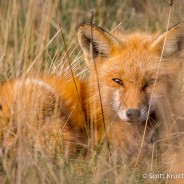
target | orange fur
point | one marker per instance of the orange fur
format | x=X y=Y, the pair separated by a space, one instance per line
x=123 y=78
x=39 y=112
x=125 y=66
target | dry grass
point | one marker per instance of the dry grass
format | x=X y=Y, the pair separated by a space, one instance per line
x=31 y=44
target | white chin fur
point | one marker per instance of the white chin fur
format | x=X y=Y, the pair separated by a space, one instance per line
x=122 y=115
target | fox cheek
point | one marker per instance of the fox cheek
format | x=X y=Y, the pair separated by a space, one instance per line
x=151 y=101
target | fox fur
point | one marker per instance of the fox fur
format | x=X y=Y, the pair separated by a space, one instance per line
x=132 y=77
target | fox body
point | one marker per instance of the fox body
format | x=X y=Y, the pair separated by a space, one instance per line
x=127 y=82
x=37 y=111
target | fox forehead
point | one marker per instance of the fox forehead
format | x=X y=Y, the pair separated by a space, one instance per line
x=138 y=40
x=135 y=47
x=135 y=54
x=134 y=62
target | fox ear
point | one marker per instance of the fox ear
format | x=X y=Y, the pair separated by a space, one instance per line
x=174 y=41
x=96 y=42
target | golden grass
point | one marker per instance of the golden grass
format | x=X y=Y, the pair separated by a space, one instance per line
x=31 y=44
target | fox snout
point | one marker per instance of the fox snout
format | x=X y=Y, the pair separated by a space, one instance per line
x=133 y=114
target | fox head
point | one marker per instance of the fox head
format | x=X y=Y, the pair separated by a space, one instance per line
x=133 y=71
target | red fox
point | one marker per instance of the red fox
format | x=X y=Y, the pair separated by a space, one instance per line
x=127 y=82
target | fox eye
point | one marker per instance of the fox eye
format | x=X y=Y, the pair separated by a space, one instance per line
x=152 y=81
x=119 y=81
x=149 y=83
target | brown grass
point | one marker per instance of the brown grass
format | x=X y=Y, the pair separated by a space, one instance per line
x=31 y=44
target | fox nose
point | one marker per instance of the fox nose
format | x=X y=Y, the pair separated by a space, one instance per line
x=133 y=114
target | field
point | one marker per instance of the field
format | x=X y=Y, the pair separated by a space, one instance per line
x=40 y=37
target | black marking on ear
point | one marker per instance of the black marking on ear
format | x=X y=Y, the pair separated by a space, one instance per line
x=87 y=42
x=96 y=51
x=1 y=107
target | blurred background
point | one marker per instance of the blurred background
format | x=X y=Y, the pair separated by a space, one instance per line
x=29 y=29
